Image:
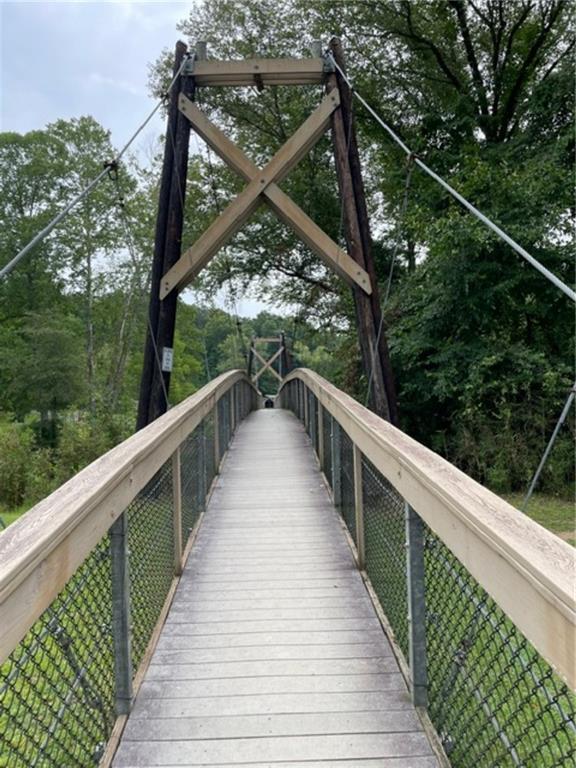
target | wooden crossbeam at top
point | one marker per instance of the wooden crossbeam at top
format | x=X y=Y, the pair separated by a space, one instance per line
x=259 y=72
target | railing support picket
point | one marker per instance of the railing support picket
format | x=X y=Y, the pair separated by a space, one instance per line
x=216 y=421
x=359 y=507
x=121 y=623
x=320 y=410
x=416 y=606
x=336 y=463
x=203 y=467
x=177 y=502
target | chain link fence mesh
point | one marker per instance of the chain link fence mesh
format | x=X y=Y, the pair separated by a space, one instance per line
x=346 y=505
x=385 y=549
x=151 y=553
x=494 y=701
x=57 y=687
x=194 y=479
x=492 y=698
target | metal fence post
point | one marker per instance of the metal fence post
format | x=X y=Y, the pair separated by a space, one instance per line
x=177 y=517
x=416 y=606
x=359 y=507
x=121 y=624
x=202 y=468
x=232 y=413
x=321 y=434
x=336 y=463
x=216 y=422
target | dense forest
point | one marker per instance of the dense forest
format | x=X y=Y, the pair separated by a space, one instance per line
x=481 y=344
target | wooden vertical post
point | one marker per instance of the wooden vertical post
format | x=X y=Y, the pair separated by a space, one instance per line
x=375 y=355
x=359 y=507
x=155 y=381
x=150 y=362
x=177 y=501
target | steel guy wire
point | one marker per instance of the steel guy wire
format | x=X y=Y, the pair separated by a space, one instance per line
x=132 y=252
x=548 y=449
x=462 y=200
x=402 y=214
x=87 y=190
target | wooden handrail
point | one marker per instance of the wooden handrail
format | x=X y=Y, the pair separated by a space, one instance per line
x=527 y=570
x=41 y=551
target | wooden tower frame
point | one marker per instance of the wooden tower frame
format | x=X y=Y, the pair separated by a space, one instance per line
x=355 y=267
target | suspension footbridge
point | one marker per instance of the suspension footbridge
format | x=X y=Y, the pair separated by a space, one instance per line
x=302 y=585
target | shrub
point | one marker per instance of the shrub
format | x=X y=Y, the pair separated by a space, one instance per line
x=16 y=450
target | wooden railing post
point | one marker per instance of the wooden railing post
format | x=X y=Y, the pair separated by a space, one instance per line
x=306 y=407
x=336 y=463
x=121 y=624
x=177 y=501
x=359 y=507
x=320 y=409
x=416 y=606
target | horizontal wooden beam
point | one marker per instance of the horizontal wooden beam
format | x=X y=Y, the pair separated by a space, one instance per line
x=527 y=570
x=259 y=72
x=283 y=206
x=42 y=550
x=240 y=209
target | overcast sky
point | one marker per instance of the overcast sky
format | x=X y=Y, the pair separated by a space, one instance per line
x=70 y=58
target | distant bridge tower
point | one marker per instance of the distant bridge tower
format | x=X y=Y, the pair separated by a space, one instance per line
x=278 y=363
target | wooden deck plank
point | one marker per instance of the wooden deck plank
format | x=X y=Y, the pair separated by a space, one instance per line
x=237 y=751
x=272 y=653
x=271 y=639
x=387 y=762
x=265 y=725
x=272 y=704
x=301 y=684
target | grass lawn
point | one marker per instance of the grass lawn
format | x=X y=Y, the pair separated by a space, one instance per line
x=553 y=512
x=11 y=516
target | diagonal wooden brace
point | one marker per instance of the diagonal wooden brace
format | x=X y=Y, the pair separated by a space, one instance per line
x=266 y=364
x=238 y=211
x=283 y=206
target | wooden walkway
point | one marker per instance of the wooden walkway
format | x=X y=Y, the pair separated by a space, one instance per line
x=272 y=654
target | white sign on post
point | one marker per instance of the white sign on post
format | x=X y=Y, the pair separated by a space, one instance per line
x=167 y=358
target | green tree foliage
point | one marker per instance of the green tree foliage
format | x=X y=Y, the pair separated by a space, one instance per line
x=481 y=343
x=483 y=91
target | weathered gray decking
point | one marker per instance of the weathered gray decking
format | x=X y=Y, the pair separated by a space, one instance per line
x=272 y=653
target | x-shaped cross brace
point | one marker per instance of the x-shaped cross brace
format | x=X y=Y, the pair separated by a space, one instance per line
x=262 y=183
x=267 y=364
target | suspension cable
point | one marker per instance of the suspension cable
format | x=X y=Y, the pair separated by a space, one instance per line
x=132 y=252
x=399 y=222
x=548 y=449
x=462 y=200
x=87 y=190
